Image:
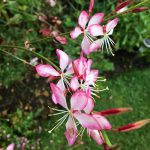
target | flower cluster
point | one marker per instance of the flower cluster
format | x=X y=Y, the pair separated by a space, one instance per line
x=95 y=35
x=78 y=79
x=75 y=85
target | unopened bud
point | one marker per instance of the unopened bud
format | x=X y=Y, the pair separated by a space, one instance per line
x=133 y=126
x=91 y=5
x=140 y=9
x=123 y=5
x=115 y=111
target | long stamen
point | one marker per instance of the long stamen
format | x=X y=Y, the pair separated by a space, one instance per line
x=55 y=109
x=81 y=129
x=110 y=49
x=57 y=113
x=59 y=123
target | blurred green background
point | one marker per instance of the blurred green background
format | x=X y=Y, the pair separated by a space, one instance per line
x=24 y=97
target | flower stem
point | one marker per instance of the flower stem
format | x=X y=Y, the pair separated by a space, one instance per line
x=22 y=60
x=33 y=52
x=128 y=10
x=106 y=138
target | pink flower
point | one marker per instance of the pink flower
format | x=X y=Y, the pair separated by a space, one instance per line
x=85 y=78
x=105 y=32
x=83 y=28
x=78 y=102
x=65 y=72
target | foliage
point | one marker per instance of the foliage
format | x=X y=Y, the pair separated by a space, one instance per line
x=23 y=127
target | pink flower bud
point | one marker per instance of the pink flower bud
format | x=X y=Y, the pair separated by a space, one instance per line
x=123 y=5
x=91 y=5
x=115 y=111
x=133 y=126
x=140 y=9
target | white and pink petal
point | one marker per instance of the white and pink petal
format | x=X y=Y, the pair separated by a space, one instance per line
x=111 y=24
x=71 y=131
x=74 y=84
x=90 y=105
x=97 y=136
x=78 y=100
x=87 y=121
x=85 y=45
x=63 y=59
x=58 y=96
x=103 y=122
x=76 y=32
x=95 y=45
x=46 y=70
x=96 y=19
x=83 y=19
x=96 y=30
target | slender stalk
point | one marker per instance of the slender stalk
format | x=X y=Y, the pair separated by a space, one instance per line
x=106 y=138
x=128 y=10
x=33 y=52
x=22 y=60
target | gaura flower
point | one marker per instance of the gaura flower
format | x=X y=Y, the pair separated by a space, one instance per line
x=85 y=78
x=78 y=102
x=83 y=28
x=105 y=32
x=65 y=64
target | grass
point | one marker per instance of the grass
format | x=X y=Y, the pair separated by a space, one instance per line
x=128 y=90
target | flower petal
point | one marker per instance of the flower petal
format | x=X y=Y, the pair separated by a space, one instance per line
x=83 y=19
x=75 y=33
x=58 y=96
x=96 y=19
x=10 y=147
x=103 y=122
x=74 y=84
x=111 y=25
x=95 y=30
x=71 y=131
x=87 y=121
x=95 y=45
x=46 y=70
x=79 y=66
x=61 y=84
x=90 y=105
x=78 y=100
x=85 y=45
x=63 y=59
x=69 y=69
x=97 y=136
x=91 y=77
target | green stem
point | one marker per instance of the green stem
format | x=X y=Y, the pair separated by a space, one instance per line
x=128 y=10
x=106 y=138
x=22 y=60
x=33 y=52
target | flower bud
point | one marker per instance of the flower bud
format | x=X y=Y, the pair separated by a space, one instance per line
x=133 y=126
x=91 y=5
x=123 y=5
x=114 y=111
x=140 y=9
